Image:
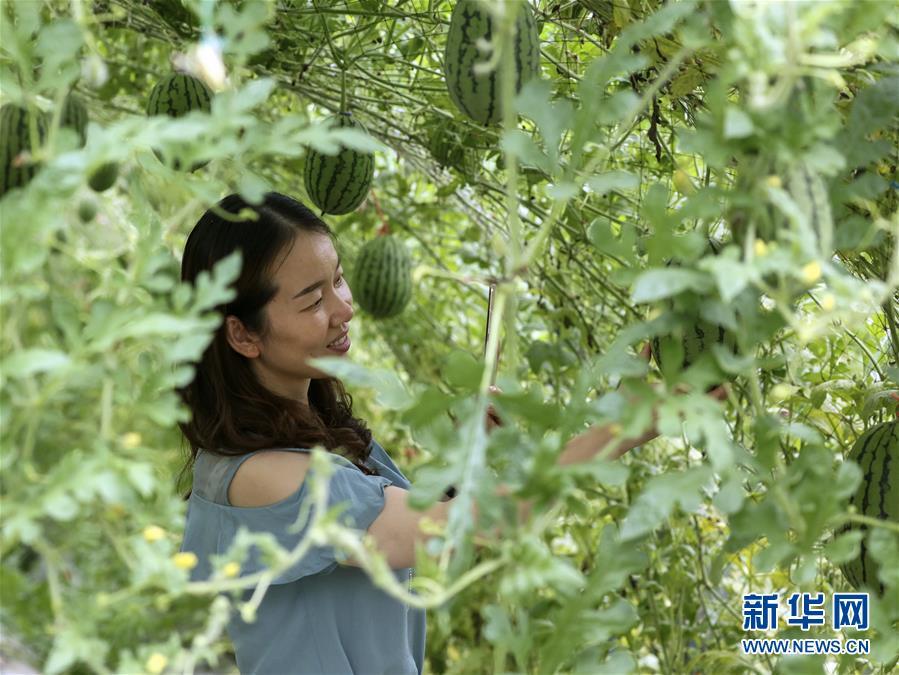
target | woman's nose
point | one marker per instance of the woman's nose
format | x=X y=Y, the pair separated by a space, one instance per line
x=348 y=311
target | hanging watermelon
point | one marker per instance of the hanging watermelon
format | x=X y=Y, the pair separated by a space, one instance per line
x=338 y=184
x=382 y=279
x=479 y=95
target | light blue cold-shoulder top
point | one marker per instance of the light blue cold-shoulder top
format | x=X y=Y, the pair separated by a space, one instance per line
x=317 y=616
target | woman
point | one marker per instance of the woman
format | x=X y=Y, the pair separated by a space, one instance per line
x=257 y=409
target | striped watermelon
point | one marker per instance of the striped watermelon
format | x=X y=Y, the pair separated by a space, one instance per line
x=337 y=184
x=74 y=116
x=15 y=139
x=877 y=454
x=177 y=95
x=449 y=144
x=810 y=194
x=479 y=96
x=690 y=346
x=382 y=279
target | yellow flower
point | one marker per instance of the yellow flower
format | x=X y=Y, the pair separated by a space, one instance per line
x=156 y=663
x=828 y=302
x=231 y=569
x=185 y=560
x=131 y=440
x=760 y=247
x=774 y=182
x=153 y=533
x=811 y=272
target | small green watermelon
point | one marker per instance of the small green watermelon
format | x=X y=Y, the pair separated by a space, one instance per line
x=177 y=95
x=16 y=169
x=337 y=184
x=87 y=209
x=448 y=144
x=382 y=277
x=877 y=454
x=691 y=344
x=694 y=340
x=103 y=177
x=479 y=96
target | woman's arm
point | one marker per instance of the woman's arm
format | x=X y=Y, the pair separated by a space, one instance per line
x=580 y=449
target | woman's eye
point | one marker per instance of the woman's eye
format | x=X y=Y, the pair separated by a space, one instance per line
x=339 y=280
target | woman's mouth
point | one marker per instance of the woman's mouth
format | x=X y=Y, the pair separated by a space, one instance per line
x=341 y=345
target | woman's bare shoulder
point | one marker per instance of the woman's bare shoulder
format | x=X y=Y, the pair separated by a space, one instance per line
x=268 y=477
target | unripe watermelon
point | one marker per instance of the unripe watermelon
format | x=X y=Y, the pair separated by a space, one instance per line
x=15 y=138
x=698 y=339
x=444 y=145
x=810 y=194
x=448 y=145
x=103 y=177
x=87 y=209
x=74 y=116
x=877 y=454
x=479 y=96
x=337 y=184
x=382 y=279
x=176 y=95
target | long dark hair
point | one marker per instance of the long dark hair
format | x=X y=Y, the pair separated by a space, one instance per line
x=232 y=413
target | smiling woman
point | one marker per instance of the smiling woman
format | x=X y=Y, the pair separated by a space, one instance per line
x=257 y=408
x=254 y=388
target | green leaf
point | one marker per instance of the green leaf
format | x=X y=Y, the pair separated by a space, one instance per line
x=141 y=476
x=523 y=147
x=616 y=559
x=661 y=495
x=874 y=107
x=60 y=506
x=461 y=369
x=730 y=274
x=730 y=497
x=602 y=237
x=737 y=124
x=29 y=362
x=660 y=283
x=551 y=118
x=157 y=323
x=391 y=393
x=844 y=548
x=603 y=472
x=562 y=191
x=658 y=23
x=612 y=180
x=616 y=663
x=430 y=404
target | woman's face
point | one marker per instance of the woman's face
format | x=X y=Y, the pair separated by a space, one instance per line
x=313 y=307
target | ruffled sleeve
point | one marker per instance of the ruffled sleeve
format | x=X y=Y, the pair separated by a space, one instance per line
x=211 y=527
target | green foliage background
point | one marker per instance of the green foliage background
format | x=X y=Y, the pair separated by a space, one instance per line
x=652 y=128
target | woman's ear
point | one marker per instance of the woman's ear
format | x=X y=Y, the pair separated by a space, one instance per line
x=240 y=339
